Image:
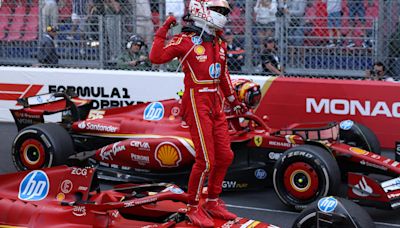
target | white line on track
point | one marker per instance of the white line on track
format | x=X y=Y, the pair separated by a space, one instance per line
x=295 y=213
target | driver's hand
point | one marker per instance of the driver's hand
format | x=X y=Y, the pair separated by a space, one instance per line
x=239 y=107
x=170 y=22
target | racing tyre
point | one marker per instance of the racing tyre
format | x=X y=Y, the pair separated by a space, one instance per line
x=333 y=212
x=305 y=173
x=358 y=135
x=40 y=146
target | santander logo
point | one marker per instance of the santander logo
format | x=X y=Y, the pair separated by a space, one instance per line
x=353 y=107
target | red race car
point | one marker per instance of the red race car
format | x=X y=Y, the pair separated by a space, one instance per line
x=150 y=142
x=71 y=197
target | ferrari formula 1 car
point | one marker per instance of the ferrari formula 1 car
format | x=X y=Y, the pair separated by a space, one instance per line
x=149 y=142
x=72 y=197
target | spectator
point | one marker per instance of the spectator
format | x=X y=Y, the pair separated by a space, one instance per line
x=334 y=9
x=269 y=58
x=80 y=13
x=357 y=8
x=378 y=72
x=49 y=14
x=235 y=53
x=144 y=24
x=296 y=11
x=47 y=49
x=112 y=11
x=135 y=57
x=265 y=11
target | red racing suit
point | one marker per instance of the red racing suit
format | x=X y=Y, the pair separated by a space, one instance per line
x=205 y=69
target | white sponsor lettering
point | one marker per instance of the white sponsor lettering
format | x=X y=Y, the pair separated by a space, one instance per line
x=112 y=152
x=352 y=107
x=372 y=165
x=79 y=211
x=140 y=145
x=391 y=185
x=394 y=164
x=274 y=156
x=394 y=195
x=97 y=127
x=283 y=144
x=79 y=171
x=362 y=188
x=140 y=159
x=82 y=188
x=66 y=186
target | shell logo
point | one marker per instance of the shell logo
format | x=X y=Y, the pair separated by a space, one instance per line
x=358 y=151
x=199 y=50
x=168 y=155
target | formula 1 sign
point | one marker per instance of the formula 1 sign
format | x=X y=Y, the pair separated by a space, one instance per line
x=375 y=104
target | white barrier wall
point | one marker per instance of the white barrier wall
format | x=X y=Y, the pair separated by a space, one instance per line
x=107 y=87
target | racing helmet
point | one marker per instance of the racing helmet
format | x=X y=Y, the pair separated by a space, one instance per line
x=135 y=39
x=212 y=13
x=247 y=92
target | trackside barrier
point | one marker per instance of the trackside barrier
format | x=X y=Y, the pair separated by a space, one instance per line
x=375 y=104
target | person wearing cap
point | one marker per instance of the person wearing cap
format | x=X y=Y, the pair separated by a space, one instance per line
x=235 y=52
x=47 y=47
x=135 y=55
x=270 y=60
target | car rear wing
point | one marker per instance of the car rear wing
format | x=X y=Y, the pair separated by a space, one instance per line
x=71 y=107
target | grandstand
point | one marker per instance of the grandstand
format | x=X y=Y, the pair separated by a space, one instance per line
x=21 y=26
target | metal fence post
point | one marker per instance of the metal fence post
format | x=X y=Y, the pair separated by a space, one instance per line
x=248 y=44
x=102 y=45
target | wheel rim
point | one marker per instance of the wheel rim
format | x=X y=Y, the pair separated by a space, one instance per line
x=301 y=181
x=32 y=154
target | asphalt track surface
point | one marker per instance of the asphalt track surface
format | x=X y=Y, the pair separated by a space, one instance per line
x=262 y=205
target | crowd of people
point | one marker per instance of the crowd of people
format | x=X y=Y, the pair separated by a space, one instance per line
x=125 y=20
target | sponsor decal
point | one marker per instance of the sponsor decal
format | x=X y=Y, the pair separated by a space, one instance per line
x=215 y=70
x=96 y=127
x=112 y=152
x=174 y=189
x=357 y=150
x=299 y=153
x=260 y=174
x=82 y=188
x=233 y=185
x=140 y=159
x=60 y=196
x=375 y=156
x=96 y=114
x=168 y=155
x=154 y=111
x=394 y=164
x=387 y=161
x=282 y=144
x=125 y=168
x=142 y=201
x=327 y=204
x=346 y=125
x=353 y=107
x=66 y=186
x=140 y=145
x=175 y=111
x=102 y=97
x=258 y=140
x=201 y=58
x=115 y=213
x=274 y=156
x=232 y=223
x=391 y=185
x=290 y=139
x=366 y=163
x=34 y=187
x=362 y=188
x=222 y=53
x=394 y=195
x=79 y=211
x=79 y=171
x=197 y=40
x=199 y=50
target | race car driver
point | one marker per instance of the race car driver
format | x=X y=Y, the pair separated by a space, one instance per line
x=203 y=56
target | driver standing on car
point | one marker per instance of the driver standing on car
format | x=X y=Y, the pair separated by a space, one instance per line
x=203 y=56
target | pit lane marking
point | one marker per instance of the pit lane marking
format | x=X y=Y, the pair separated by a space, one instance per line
x=296 y=213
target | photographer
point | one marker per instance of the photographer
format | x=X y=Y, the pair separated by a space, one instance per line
x=378 y=72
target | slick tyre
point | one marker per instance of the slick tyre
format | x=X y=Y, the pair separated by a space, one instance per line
x=304 y=174
x=344 y=214
x=40 y=146
x=358 y=135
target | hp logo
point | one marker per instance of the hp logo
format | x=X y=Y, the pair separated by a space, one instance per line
x=154 y=111
x=215 y=70
x=327 y=204
x=260 y=174
x=35 y=186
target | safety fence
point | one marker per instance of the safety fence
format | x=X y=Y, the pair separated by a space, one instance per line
x=309 y=39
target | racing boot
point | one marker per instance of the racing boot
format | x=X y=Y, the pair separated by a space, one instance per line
x=216 y=209
x=198 y=216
